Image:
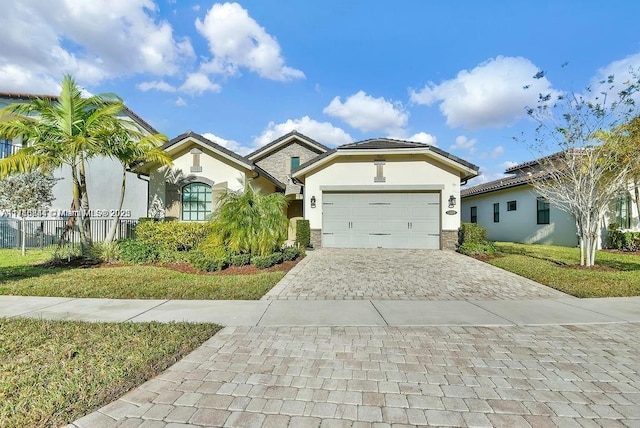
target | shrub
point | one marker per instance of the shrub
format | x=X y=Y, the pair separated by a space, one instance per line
x=240 y=259
x=173 y=256
x=172 y=235
x=210 y=258
x=473 y=240
x=105 y=251
x=263 y=262
x=303 y=233
x=619 y=240
x=291 y=253
x=135 y=251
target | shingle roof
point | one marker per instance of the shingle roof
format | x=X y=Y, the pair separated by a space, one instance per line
x=19 y=96
x=383 y=143
x=501 y=184
x=226 y=151
x=284 y=137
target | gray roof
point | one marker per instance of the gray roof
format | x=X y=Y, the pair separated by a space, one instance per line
x=26 y=97
x=226 y=151
x=388 y=144
x=284 y=137
x=501 y=184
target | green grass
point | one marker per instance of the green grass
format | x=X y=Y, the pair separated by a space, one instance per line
x=615 y=274
x=19 y=277
x=53 y=372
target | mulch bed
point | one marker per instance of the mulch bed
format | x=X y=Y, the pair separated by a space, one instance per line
x=78 y=262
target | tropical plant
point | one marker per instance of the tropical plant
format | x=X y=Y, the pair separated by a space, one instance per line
x=252 y=223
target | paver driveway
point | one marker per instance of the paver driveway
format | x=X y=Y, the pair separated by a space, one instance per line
x=386 y=274
x=354 y=376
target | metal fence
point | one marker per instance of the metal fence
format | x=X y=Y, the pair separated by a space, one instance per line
x=41 y=233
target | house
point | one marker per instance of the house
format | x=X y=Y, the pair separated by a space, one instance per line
x=104 y=175
x=510 y=210
x=374 y=193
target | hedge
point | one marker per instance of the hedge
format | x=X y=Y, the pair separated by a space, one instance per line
x=172 y=235
x=303 y=233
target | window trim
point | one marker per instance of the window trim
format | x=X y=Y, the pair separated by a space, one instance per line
x=546 y=209
x=496 y=212
x=512 y=205
x=473 y=213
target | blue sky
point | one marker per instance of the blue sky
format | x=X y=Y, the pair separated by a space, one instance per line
x=449 y=73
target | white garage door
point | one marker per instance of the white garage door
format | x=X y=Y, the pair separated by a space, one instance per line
x=381 y=220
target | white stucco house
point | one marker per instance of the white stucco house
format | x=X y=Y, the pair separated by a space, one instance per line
x=374 y=193
x=510 y=210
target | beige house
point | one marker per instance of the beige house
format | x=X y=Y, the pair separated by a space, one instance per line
x=374 y=193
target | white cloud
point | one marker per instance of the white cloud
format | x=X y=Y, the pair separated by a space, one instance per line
x=464 y=144
x=423 y=137
x=508 y=164
x=229 y=144
x=485 y=176
x=496 y=152
x=237 y=41
x=180 y=102
x=199 y=83
x=363 y=112
x=323 y=132
x=622 y=70
x=127 y=39
x=493 y=94
x=158 y=85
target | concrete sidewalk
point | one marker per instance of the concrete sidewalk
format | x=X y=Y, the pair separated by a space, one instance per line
x=330 y=313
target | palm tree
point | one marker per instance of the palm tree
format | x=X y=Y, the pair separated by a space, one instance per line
x=250 y=222
x=65 y=130
x=130 y=147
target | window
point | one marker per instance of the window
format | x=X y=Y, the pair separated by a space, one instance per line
x=496 y=213
x=543 y=211
x=6 y=148
x=295 y=162
x=474 y=214
x=623 y=212
x=196 y=201
x=512 y=206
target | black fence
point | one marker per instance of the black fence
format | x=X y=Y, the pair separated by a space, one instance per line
x=41 y=233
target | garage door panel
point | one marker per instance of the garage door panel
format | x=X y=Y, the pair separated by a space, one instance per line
x=387 y=220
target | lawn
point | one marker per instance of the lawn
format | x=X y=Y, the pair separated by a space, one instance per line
x=615 y=274
x=19 y=276
x=53 y=372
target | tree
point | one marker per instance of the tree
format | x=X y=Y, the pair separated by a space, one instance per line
x=628 y=135
x=589 y=171
x=22 y=193
x=131 y=149
x=252 y=223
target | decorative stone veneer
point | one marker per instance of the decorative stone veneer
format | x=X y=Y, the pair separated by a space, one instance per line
x=278 y=163
x=448 y=239
x=316 y=238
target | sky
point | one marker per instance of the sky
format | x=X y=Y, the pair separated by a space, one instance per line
x=456 y=74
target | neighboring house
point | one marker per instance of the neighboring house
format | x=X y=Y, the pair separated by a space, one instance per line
x=375 y=193
x=104 y=175
x=511 y=210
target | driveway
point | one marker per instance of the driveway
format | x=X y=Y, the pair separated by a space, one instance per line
x=386 y=274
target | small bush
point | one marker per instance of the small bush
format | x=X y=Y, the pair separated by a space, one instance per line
x=263 y=262
x=473 y=241
x=169 y=256
x=240 y=259
x=624 y=241
x=291 y=253
x=172 y=235
x=135 y=251
x=210 y=255
x=108 y=252
x=303 y=233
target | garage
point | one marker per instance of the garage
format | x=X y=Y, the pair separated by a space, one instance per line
x=381 y=220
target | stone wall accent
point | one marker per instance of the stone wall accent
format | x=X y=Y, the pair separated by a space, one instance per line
x=448 y=239
x=316 y=238
x=278 y=163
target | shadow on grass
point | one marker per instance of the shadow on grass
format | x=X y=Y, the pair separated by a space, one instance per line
x=16 y=273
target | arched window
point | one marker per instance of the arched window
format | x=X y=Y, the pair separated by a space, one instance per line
x=196 y=201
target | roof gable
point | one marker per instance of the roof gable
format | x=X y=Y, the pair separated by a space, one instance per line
x=286 y=139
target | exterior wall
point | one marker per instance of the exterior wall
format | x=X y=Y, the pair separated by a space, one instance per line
x=104 y=180
x=165 y=183
x=520 y=225
x=399 y=170
x=449 y=239
x=278 y=163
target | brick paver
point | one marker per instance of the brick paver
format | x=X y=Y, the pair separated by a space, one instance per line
x=387 y=274
x=579 y=375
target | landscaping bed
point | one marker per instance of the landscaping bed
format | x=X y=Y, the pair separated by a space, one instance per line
x=54 y=372
x=615 y=274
